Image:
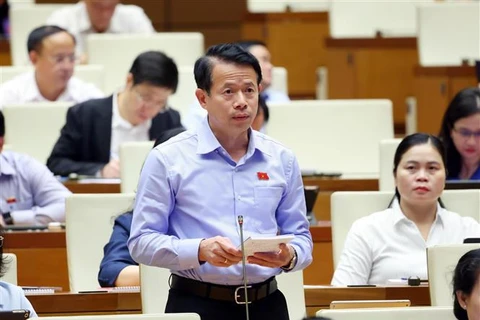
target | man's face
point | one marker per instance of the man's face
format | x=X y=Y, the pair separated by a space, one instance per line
x=145 y=101
x=100 y=13
x=263 y=56
x=233 y=100
x=54 y=62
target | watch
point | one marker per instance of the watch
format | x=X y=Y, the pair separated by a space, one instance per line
x=7 y=218
x=292 y=263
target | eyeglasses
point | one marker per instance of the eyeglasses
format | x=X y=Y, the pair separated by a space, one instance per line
x=149 y=103
x=466 y=134
x=59 y=59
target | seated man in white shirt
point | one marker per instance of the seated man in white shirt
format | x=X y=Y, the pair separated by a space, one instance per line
x=100 y=16
x=51 y=50
x=260 y=51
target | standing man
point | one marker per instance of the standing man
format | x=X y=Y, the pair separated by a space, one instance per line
x=29 y=193
x=89 y=142
x=100 y=16
x=193 y=188
x=51 y=50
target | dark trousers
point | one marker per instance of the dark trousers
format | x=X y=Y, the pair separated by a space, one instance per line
x=272 y=307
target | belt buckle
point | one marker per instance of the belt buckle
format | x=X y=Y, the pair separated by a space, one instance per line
x=238 y=295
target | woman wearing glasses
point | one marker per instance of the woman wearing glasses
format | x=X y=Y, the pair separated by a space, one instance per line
x=460 y=133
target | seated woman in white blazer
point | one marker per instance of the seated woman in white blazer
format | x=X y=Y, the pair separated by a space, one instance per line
x=391 y=244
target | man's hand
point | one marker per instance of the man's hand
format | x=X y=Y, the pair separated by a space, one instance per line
x=273 y=259
x=219 y=251
x=111 y=169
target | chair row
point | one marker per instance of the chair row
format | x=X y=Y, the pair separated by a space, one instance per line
x=435 y=23
x=319 y=132
x=84 y=254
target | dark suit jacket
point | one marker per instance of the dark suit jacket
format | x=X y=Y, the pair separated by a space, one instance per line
x=84 y=143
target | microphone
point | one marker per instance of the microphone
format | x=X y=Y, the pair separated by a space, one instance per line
x=244 y=267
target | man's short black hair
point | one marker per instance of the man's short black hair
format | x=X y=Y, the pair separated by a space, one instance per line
x=247 y=44
x=227 y=53
x=36 y=37
x=155 y=68
x=2 y=124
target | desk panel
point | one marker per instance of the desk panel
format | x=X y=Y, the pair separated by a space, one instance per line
x=377 y=68
x=112 y=303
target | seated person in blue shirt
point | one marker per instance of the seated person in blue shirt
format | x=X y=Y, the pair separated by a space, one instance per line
x=11 y=296
x=117 y=268
x=194 y=188
x=460 y=133
x=29 y=193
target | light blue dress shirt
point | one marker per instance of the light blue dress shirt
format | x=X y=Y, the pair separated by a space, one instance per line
x=39 y=197
x=12 y=298
x=190 y=189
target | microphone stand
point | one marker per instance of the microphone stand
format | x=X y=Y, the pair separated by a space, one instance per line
x=244 y=266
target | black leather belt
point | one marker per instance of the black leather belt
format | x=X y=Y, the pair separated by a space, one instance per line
x=226 y=293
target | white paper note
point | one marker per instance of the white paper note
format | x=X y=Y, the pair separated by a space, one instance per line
x=265 y=244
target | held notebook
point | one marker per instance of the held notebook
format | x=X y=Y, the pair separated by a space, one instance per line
x=20 y=314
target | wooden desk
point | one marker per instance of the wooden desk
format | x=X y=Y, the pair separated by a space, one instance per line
x=316 y=299
x=434 y=88
x=76 y=187
x=42 y=257
x=377 y=68
x=111 y=303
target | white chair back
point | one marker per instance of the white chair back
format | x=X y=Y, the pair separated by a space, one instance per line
x=185 y=95
x=20 y=3
x=441 y=263
x=326 y=135
x=132 y=156
x=163 y=316
x=33 y=128
x=23 y=19
x=363 y=19
x=346 y=207
x=280 y=79
x=183 y=47
x=154 y=288
x=264 y=6
x=89 y=221
x=291 y=285
x=448 y=33
x=10 y=275
x=386 y=181
x=309 y=5
x=88 y=73
x=410 y=313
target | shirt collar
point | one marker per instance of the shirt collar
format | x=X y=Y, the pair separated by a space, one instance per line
x=398 y=215
x=5 y=167
x=207 y=142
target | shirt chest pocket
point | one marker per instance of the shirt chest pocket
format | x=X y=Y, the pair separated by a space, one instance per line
x=267 y=200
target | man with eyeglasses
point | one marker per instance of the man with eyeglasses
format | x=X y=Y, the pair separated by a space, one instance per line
x=51 y=50
x=90 y=140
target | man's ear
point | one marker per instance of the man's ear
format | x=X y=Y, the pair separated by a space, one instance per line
x=33 y=56
x=260 y=87
x=201 y=97
x=129 y=81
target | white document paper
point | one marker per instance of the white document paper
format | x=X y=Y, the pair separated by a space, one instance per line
x=265 y=244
